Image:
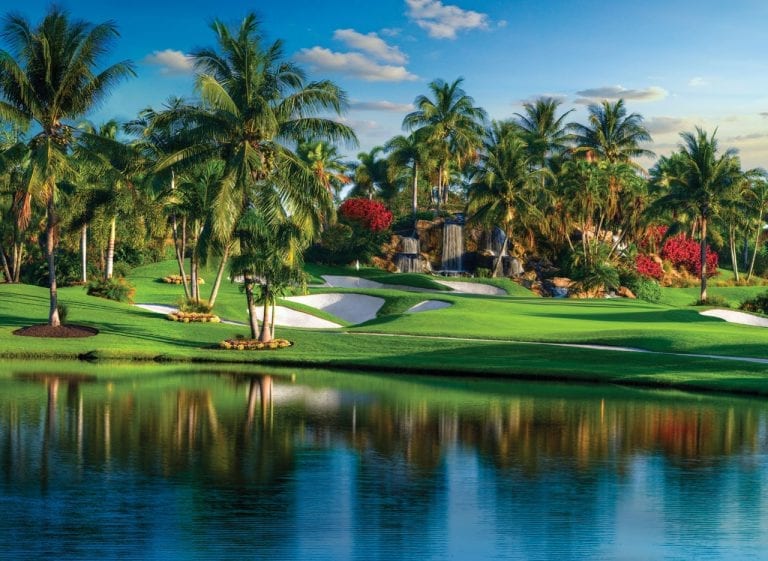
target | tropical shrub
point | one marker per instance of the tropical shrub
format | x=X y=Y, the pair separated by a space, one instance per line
x=685 y=253
x=758 y=304
x=191 y=306
x=371 y=215
x=647 y=267
x=117 y=289
x=647 y=289
x=176 y=279
x=63 y=312
x=713 y=300
x=254 y=344
x=193 y=317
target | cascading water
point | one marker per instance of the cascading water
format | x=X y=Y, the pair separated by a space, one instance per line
x=408 y=260
x=453 y=248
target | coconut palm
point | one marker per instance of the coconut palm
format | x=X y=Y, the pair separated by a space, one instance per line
x=254 y=108
x=371 y=175
x=324 y=160
x=703 y=180
x=545 y=134
x=50 y=76
x=505 y=189
x=451 y=124
x=611 y=134
x=409 y=151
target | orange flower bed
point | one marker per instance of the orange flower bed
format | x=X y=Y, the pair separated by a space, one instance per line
x=193 y=317
x=176 y=279
x=254 y=344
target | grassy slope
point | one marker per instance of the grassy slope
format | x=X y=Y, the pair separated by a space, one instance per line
x=128 y=332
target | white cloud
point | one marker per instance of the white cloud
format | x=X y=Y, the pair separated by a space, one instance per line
x=697 y=82
x=668 y=125
x=381 y=106
x=372 y=44
x=596 y=95
x=443 y=22
x=353 y=64
x=390 y=31
x=170 y=62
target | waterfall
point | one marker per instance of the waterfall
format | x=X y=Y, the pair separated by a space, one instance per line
x=453 y=248
x=408 y=260
x=495 y=240
x=409 y=245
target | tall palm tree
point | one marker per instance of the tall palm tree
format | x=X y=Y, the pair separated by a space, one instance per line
x=371 y=175
x=255 y=107
x=326 y=163
x=505 y=190
x=703 y=180
x=409 y=151
x=611 y=134
x=545 y=134
x=451 y=123
x=49 y=77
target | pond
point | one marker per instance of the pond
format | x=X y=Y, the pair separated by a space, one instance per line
x=181 y=462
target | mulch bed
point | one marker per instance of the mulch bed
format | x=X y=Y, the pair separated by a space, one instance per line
x=62 y=331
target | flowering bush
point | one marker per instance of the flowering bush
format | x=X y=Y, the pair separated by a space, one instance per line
x=685 y=253
x=253 y=344
x=193 y=317
x=370 y=214
x=647 y=267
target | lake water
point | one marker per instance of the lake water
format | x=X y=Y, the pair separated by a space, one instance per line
x=169 y=462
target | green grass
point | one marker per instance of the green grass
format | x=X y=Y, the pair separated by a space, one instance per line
x=510 y=325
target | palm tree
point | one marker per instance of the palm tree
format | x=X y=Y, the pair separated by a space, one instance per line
x=703 y=179
x=254 y=108
x=545 y=134
x=48 y=78
x=611 y=134
x=409 y=151
x=326 y=163
x=505 y=190
x=451 y=124
x=371 y=175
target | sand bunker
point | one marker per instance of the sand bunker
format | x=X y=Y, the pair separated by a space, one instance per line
x=428 y=305
x=733 y=316
x=285 y=317
x=354 y=308
x=473 y=288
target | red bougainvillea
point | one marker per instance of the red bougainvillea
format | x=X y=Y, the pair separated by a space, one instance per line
x=686 y=253
x=647 y=267
x=370 y=214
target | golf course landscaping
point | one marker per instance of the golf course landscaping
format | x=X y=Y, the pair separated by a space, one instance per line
x=514 y=336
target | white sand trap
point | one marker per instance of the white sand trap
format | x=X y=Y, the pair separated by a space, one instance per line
x=285 y=317
x=473 y=288
x=351 y=282
x=354 y=308
x=733 y=316
x=428 y=305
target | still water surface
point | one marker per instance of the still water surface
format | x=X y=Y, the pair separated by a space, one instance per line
x=111 y=462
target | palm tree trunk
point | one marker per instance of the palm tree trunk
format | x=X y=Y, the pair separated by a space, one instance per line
x=703 y=255
x=219 y=276
x=84 y=253
x=732 y=248
x=253 y=319
x=193 y=283
x=758 y=230
x=272 y=322
x=111 y=248
x=415 y=201
x=266 y=335
x=18 y=256
x=6 y=269
x=50 y=247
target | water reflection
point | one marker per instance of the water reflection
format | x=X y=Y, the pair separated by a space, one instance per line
x=328 y=466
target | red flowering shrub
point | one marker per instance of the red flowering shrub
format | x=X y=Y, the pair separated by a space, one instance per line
x=372 y=215
x=686 y=253
x=649 y=268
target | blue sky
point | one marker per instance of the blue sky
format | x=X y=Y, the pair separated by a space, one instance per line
x=679 y=63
